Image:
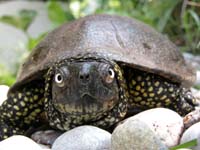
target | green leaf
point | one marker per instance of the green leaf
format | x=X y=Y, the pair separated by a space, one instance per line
x=191 y=28
x=10 y=20
x=166 y=15
x=197 y=86
x=57 y=14
x=32 y=42
x=22 y=20
x=6 y=77
x=26 y=18
x=185 y=145
x=195 y=17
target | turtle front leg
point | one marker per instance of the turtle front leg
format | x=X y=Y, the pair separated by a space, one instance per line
x=7 y=130
x=150 y=91
x=185 y=102
x=20 y=110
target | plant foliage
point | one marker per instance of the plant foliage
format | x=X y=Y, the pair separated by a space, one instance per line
x=178 y=19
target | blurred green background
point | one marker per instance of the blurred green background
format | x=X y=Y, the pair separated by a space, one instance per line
x=178 y=19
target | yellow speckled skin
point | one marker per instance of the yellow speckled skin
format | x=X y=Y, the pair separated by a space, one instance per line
x=21 y=109
x=139 y=91
x=147 y=90
x=64 y=122
x=124 y=44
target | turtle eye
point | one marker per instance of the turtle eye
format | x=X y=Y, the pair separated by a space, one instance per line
x=61 y=76
x=111 y=75
x=59 y=79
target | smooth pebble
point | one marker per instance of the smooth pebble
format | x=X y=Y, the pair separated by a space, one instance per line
x=3 y=93
x=19 y=142
x=83 y=138
x=192 y=133
x=165 y=123
x=134 y=134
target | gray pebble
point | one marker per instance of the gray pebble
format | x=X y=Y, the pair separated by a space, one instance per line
x=135 y=135
x=193 y=60
x=83 y=138
x=12 y=46
x=41 y=22
x=19 y=142
x=192 y=133
x=3 y=93
x=165 y=123
x=198 y=78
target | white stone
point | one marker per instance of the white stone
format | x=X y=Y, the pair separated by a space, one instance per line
x=83 y=138
x=192 y=133
x=196 y=94
x=198 y=77
x=166 y=124
x=44 y=147
x=12 y=46
x=194 y=60
x=3 y=93
x=194 y=91
x=40 y=24
x=134 y=134
x=19 y=142
x=15 y=6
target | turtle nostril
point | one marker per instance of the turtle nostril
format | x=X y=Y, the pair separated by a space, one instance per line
x=87 y=76
x=81 y=77
x=84 y=77
x=85 y=72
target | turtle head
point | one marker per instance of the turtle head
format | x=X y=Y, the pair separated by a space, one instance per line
x=84 y=88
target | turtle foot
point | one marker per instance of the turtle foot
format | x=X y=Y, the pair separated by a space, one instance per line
x=46 y=137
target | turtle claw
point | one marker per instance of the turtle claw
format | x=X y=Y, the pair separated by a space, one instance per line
x=46 y=137
x=191 y=118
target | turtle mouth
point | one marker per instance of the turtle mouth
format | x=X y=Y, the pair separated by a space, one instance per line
x=87 y=105
x=88 y=97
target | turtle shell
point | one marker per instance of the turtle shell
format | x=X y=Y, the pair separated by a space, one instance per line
x=122 y=39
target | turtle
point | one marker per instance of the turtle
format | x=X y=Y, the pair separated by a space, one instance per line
x=97 y=70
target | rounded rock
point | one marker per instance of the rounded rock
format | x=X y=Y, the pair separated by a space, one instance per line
x=198 y=78
x=192 y=133
x=197 y=96
x=135 y=134
x=12 y=46
x=19 y=142
x=41 y=22
x=83 y=138
x=3 y=93
x=193 y=60
x=165 y=123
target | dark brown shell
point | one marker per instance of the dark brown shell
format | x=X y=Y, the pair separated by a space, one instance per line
x=117 y=38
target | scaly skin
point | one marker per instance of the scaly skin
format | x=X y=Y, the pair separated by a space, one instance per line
x=20 y=110
x=144 y=90
x=63 y=122
x=147 y=91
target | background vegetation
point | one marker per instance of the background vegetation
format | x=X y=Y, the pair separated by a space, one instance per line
x=179 y=19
